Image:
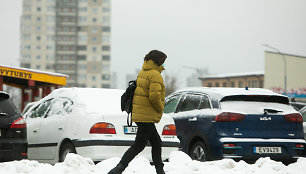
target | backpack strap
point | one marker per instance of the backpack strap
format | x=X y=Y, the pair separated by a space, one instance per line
x=129 y=120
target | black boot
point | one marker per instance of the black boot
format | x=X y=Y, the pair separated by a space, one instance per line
x=118 y=169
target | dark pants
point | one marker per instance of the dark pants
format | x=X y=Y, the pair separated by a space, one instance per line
x=145 y=132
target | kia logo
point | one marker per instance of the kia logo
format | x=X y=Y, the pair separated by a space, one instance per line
x=265 y=118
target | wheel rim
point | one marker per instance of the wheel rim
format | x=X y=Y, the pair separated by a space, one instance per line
x=199 y=153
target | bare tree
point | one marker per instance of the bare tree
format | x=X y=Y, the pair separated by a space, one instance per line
x=170 y=83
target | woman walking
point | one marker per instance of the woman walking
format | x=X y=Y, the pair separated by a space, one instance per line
x=148 y=107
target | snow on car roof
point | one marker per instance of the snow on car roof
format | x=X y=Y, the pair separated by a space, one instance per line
x=90 y=100
x=220 y=92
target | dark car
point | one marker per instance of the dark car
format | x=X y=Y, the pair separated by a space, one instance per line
x=13 y=133
x=237 y=123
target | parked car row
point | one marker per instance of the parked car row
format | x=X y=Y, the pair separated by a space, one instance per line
x=206 y=123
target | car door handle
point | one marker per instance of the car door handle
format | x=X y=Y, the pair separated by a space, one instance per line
x=35 y=131
x=193 y=119
x=60 y=128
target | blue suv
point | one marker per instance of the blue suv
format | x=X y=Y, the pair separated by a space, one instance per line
x=238 y=123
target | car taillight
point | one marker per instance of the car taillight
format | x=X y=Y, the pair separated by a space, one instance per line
x=229 y=117
x=169 y=130
x=296 y=118
x=19 y=123
x=103 y=128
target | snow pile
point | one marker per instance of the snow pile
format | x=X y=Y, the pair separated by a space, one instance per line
x=179 y=163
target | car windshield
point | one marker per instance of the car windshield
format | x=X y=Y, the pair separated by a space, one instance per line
x=7 y=107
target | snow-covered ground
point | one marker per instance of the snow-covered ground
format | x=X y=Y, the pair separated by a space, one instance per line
x=179 y=163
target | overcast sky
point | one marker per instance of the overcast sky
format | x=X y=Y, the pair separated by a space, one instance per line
x=222 y=35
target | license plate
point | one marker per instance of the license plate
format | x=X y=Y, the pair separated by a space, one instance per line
x=264 y=150
x=130 y=130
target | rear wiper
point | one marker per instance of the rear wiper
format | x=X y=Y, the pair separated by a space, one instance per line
x=272 y=111
x=3 y=114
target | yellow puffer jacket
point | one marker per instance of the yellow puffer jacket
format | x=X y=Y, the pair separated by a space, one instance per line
x=149 y=96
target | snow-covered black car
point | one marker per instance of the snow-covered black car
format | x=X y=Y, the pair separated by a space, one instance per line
x=238 y=123
x=13 y=132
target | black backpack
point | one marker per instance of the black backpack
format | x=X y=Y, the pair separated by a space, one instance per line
x=127 y=100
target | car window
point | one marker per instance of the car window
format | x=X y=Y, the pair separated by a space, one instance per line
x=7 y=107
x=60 y=106
x=171 y=105
x=190 y=102
x=205 y=104
x=304 y=114
x=40 y=110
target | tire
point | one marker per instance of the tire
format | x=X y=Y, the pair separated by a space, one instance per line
x=64 y=150
x=198 y=151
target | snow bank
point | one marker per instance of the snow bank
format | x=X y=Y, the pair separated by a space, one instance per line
x=179 y=163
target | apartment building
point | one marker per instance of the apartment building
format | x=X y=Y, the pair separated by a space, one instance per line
x=71 y=37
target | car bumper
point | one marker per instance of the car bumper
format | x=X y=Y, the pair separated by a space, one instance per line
x=13 y=150
x=99 y=150
x=245 y=148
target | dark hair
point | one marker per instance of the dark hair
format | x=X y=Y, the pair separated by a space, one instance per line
x=158 y=57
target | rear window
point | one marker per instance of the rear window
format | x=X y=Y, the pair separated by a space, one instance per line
x=257 y=98
x=6 y=106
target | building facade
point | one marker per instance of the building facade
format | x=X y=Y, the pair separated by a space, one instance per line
x=286 y=71
x=241 y=80
x=70 y=37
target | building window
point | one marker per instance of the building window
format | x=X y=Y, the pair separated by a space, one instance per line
x=26 y=8
x=105 y=38
x=38 y=38
x=106 y=9
x=209 y=85
x=224 y=84
x=38 y=9
x=106 y=29
x=82 y=57
x=38 y=47
x=217 y=84
x=94 y=49
x=94 y=20
x=105 y=77
x=93 y=78
x=105 y=68
x=240 y=84
x=83 y=9
x=94 y=39
x=105 y=86
x=38 y=28
x=261 y=84
x=38 y=57
x=94 y=10
x=38 y=19
x=82 y=48
x=233 y=84
x=26 y=37
x=106 y=57
x=37 y=66
x=253 y=84
x=106 y=48
x=27 y=18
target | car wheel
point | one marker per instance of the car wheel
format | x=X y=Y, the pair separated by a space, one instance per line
x=198 y=152
x=65 y=149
